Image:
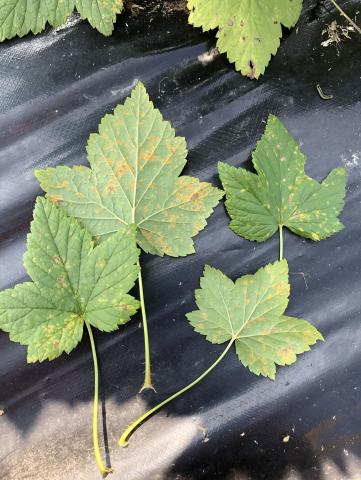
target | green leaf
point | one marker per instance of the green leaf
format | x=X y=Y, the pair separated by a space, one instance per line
x=134 y=178
x=281 y=194
x=73 y=282
x=101 y=14
x=251 y=311
x=249 y=31
x=19 y=17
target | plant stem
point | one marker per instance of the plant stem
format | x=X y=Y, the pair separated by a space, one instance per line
x=147 y=373
x=102 y=468
x=356 y=27
x=280 y=227
x=126 y=434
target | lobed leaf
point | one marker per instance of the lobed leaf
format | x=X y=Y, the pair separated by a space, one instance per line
x=135 y=160
x=249 y=31
x=281 y=194
x=251 y=311
x=19 y=17
x=73 y=282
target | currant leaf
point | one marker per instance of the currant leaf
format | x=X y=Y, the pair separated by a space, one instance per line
x=73 y=282
x=280 y=193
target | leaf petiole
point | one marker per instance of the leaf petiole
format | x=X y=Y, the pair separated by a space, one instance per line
x=98 y=458
x=147 y=373
x=280 y=227
x=128 y=432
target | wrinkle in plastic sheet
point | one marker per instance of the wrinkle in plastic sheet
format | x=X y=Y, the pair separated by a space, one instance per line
x=54 y=89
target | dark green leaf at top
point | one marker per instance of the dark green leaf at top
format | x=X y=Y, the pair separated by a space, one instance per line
x=19 y=17
x=249 y=31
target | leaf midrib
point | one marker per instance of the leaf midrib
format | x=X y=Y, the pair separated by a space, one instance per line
x=137 y=157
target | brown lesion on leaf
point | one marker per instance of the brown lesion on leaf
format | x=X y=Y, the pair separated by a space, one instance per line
x=49 y=330
x=169 y=159
x=252 y=70
x=146 y=157
x=60 y=281
x=54 y=198
x=171 y=148
x=56 y=259
x=286 y=354
x=280 y=289
x=265 y=331
x=157 y=240
x=186 y=189
x=123 y=306
x=164 y=244
x=111 y=187
x=64 y=184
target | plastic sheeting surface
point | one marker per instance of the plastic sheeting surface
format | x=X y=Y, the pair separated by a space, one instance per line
x=54 y=89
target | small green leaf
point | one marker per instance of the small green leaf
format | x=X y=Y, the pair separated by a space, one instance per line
x=251 y=311
x=249 y=31
x=73 y=282
x=19 y=17
x=101 y=14
x=134 y=178
x=281 y=194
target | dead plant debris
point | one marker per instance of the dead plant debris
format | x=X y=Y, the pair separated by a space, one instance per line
x=336 y=34
x=165 y=6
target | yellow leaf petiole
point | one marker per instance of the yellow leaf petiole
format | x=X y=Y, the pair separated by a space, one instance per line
x=98 y=458
x=128 y=432
x=147 y=373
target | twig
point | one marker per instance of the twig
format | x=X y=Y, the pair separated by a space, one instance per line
x=356 y=27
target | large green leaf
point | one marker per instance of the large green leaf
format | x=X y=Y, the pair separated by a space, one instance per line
x=251 y=312
x=281 y=194
x=134 y=178
x=73 y=282
x=249 y=31
x=19 y=17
